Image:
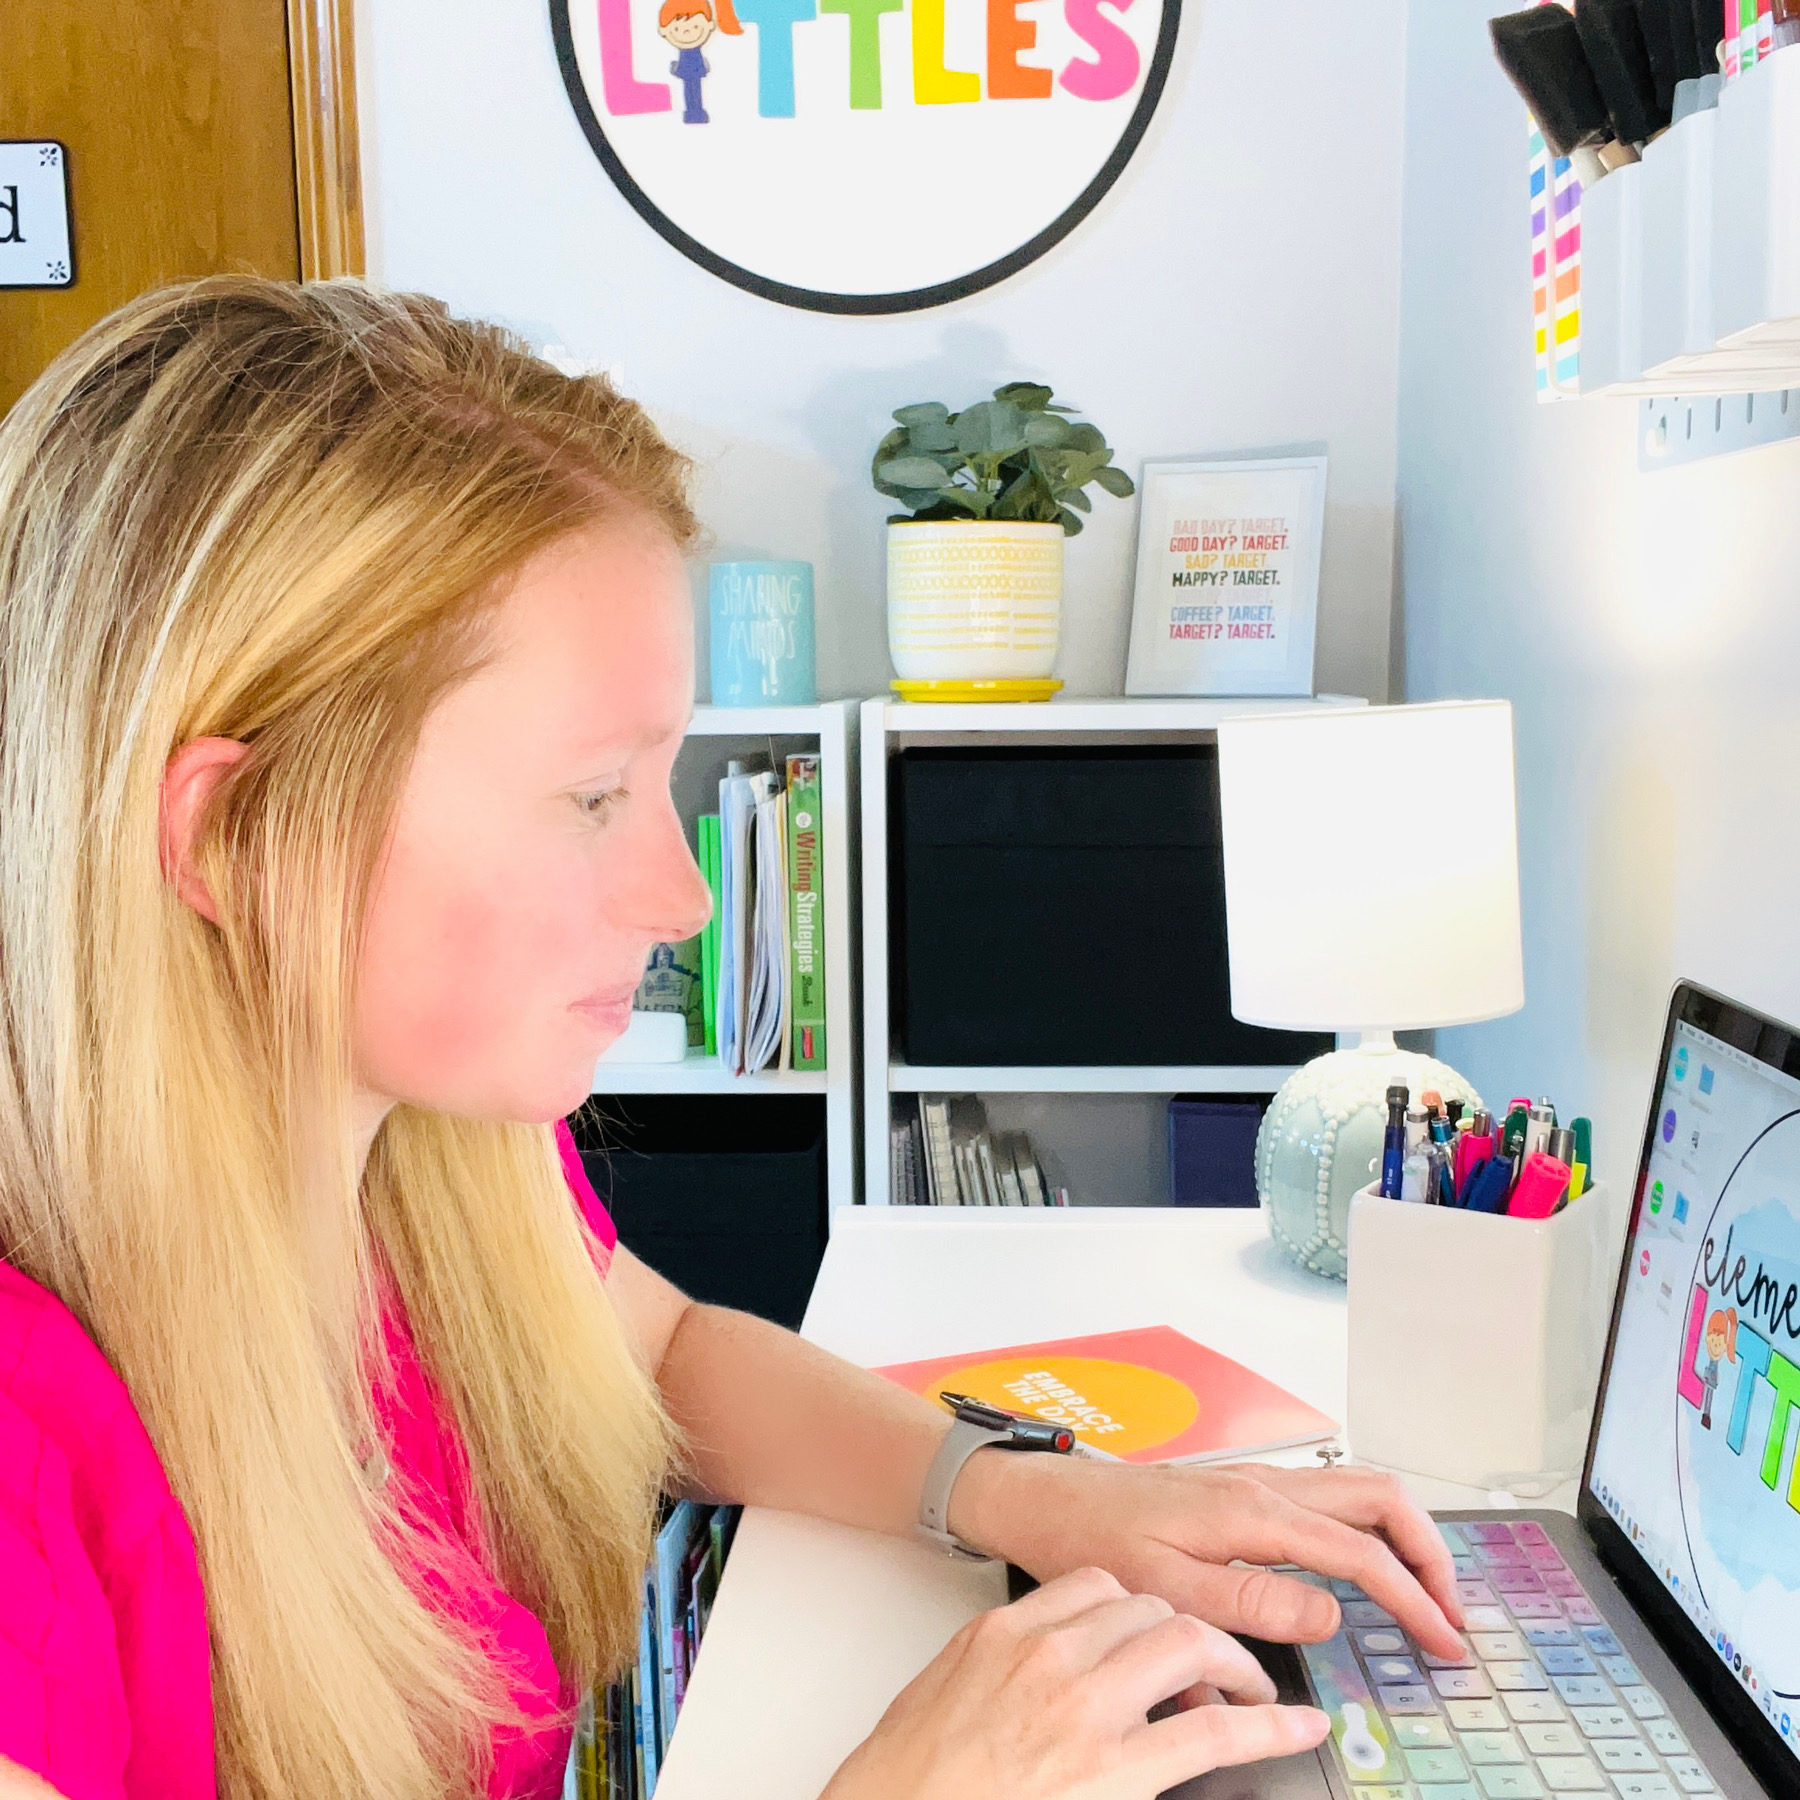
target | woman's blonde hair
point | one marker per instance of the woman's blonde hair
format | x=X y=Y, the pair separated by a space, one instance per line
x=279 y=514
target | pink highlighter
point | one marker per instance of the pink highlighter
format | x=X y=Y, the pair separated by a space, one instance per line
x=1542 y=1188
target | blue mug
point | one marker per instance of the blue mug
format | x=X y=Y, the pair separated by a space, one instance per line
x=762 y=634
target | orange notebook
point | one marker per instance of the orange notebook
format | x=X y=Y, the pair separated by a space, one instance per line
x=1147 y=1396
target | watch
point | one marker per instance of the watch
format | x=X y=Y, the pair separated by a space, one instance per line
x=978 y=1426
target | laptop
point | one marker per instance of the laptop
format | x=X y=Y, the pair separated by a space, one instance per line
x=1648 y=1648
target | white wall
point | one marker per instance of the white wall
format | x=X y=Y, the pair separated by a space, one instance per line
x=1646 y=627
x=1238 y=289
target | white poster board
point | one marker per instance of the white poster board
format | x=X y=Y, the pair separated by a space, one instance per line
x=1227 y=593
x=35 y=249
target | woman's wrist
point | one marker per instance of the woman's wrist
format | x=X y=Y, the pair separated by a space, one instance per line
x=997 y=1496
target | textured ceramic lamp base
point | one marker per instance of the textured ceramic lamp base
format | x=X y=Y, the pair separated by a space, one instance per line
x=1320 y=1135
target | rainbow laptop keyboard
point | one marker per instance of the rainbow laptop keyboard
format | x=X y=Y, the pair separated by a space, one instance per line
x=1546 y=1703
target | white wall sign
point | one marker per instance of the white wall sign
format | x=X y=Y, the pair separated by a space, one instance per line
x=864 y=156
x=34 y=217
x=1227 y=593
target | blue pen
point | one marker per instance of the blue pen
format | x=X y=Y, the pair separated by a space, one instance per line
x=1393 y=1149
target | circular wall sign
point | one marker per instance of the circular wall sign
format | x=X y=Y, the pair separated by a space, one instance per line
x=864 y=156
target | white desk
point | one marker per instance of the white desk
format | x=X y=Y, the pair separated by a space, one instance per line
x=818 y=1627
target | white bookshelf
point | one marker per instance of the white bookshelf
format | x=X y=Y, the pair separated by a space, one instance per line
x=892 y=725
x=716 y=734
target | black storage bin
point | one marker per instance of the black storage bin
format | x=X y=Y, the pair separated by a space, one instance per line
x=723 y=1195
x=1065 y=906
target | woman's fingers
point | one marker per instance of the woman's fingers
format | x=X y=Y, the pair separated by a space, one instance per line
x=1178 y=1653
x=1187 y=1744
x=1375 y=1502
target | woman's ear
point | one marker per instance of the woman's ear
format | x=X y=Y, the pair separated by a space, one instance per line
x=189 y=782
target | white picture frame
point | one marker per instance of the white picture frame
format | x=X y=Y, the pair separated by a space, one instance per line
x=1226 y=597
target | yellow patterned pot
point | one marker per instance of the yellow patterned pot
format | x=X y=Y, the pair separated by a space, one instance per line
x=974 y=600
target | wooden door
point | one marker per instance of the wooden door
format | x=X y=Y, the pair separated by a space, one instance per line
x=196 y=144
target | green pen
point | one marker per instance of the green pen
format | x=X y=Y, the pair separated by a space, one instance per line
x=1584 y=1153
x=1512 y=1137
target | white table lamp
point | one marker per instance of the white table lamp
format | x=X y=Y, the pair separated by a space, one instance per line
x=1371 y=886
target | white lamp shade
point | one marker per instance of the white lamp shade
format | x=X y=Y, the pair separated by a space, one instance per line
x=1372 y=867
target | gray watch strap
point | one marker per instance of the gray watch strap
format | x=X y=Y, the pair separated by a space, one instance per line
x=934 y=1504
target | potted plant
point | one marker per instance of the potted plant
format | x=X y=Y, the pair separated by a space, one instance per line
x=975 y=563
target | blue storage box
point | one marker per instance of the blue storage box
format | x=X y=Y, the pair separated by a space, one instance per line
x=1212 y=1148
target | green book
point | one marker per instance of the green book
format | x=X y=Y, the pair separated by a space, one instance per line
x=806 y=913
x=709 y=937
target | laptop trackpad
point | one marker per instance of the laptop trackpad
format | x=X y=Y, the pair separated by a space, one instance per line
x=1291 y=1777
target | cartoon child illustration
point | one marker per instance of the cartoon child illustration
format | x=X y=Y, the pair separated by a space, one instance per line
x=1721 y=1346
x=687 y=24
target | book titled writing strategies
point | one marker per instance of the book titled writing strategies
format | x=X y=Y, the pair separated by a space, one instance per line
x=1145 y=1396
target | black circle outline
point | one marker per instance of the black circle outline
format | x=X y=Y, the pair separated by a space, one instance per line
x=1705 y=1239
x=915 y=299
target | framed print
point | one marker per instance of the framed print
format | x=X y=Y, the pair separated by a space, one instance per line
x=1227 y=592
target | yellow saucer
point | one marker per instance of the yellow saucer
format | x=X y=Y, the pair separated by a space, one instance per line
x=967 y=691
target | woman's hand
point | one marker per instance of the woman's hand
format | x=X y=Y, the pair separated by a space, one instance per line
x=1179 y=1532
x=1046 y=1700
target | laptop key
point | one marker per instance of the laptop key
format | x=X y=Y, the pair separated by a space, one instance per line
x=1539 y=1606
x=1449 y=1790
x=1691 y=1774
x=1549 y=1637
x=1407 y=1697
x=1665 y=1734
x=1479 y=1715
x=1446 y=1662
x=1646 y=1787
x=1624 y=1756
x=1497 y=1646
x=1532 y=1709
x=1393 y=1791
x=1570 y=1775
x=1562 y=1582
x=1528 y=1532
x=1461 y=1684
x=1553 y=1740
x=1643 y=1701
x=1604 y=1721
x=1381 y=1643
x=1581 y=1611
x=1517 y=1781
x=1347 y=1590
x=1395 y=1668
x=1518 y=1677
x=1583 y=1690
x=1602 y=1642
x=1491 y=1747
x=1366 y=1613
x=1486 y=1618
x=1421 y=1733
x=1622 y=1670
x=1474 y=1593
x=1436 y=1765
x=1568 y=1662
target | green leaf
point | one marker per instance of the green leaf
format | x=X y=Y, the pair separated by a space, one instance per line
x=1045 y=431
x=1115 y=481
x=990 y=428
x=1086 y=437
x=1074 y=497
x=1028 y=396
x=913 y=472
x=1070 y=523
x=930 y=435
x=922 y=414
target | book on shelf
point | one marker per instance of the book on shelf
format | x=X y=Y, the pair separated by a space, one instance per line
x=1151 y=1395
x=942 y=1152
x=622 y=1732
x=764 y=985
x=806 y=912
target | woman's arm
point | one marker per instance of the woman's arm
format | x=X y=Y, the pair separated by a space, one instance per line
x=21 y=1784
x=773 y=1421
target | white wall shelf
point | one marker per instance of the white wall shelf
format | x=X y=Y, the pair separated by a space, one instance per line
x=890 y=725
x=715 y=734
x=1690 y=259
x=1132 y=1078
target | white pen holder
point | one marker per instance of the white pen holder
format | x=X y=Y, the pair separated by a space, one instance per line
x=1476 y=1339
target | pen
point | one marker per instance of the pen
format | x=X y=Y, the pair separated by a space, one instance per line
x=1393 y=1149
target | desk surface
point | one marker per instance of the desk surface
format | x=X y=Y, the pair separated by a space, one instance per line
x=817 y=1627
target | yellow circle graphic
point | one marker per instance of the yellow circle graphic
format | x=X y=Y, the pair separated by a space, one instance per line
x=1112 y=1406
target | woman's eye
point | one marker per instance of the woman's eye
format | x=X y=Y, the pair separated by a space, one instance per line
x=597 y=806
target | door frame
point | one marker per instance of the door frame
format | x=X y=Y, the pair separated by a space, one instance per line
x=327 y=152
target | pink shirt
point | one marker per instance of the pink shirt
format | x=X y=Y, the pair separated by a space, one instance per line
x=105 y=1673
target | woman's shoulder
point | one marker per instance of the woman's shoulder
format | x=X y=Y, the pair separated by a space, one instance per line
x=59 y=1394
x=105 y=1682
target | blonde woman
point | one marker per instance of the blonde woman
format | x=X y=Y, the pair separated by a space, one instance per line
x=344 y=656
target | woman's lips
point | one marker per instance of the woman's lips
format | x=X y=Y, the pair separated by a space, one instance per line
x=611 y=1012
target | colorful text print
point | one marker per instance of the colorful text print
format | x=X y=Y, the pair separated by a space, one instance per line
x=852 y=154
x=1112 y=1406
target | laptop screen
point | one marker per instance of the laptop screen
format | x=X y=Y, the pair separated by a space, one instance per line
x=1695 y=1452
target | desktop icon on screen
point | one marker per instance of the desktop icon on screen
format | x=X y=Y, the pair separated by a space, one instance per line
x=1706 y=1078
